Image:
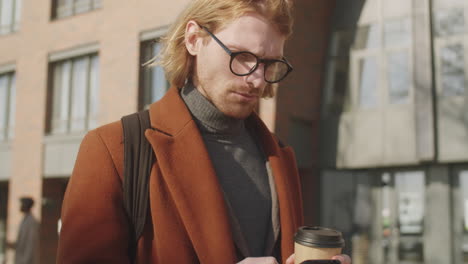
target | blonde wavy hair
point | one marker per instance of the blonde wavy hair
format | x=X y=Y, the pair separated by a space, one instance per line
x=216 y=14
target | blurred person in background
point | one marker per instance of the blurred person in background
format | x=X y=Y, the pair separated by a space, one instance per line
x=223 y=188
x=27 y=243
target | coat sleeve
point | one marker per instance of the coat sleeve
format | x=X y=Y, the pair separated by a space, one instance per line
x=94 y=222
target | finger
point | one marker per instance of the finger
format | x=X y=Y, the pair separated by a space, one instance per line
x=268 y=260
x=344 y=259
x=290 y=260
x=259 y=260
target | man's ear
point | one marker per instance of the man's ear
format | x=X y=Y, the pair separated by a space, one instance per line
x=193 y=40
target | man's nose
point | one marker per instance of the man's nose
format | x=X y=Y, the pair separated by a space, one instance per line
x=257 y=77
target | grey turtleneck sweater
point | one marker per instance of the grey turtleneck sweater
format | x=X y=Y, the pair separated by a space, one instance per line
x=239 y=165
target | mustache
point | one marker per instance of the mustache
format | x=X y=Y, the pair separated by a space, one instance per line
x=246 y=90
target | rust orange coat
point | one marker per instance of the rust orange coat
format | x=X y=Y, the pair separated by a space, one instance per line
x=187 y=220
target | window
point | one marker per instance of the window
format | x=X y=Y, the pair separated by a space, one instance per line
x=337 y=73
x=460 y=215
x=9 y=16
x=7 y=105
x=450 y=37
x=370 y=57
x=372 y=207
x=153 y=83
x=383 y=53
x=65 y=8
x=452 y=70
x=368 y=82
x=449 y=22
x=75 y=92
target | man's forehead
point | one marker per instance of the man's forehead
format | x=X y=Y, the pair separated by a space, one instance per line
x=254 y=34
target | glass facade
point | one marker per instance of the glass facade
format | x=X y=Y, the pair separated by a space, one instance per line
x=391 y=67
x=460 y=214
x=380 y=213
x=377 y=47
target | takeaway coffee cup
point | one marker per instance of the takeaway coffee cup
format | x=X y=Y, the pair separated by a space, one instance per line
x=317 y=243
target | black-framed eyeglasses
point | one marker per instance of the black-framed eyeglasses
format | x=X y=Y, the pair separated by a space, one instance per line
x=244 y=63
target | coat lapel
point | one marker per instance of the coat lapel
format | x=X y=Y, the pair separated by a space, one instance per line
x=287 y=186
x=187 y=169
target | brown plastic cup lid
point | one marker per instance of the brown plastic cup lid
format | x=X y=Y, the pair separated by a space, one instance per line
x=319 y=237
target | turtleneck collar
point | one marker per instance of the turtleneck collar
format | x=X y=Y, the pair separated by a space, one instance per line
x=209 y=118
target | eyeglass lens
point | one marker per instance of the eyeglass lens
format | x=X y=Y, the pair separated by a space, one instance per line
x=244 y=63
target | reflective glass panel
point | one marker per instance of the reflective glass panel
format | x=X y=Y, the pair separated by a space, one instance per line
x=341 y=43
x=464 y=191
x=367 y=37
x=337 y=84
x=158 y=80
x=61 y=97
x=350 y=208
x=463 y=181
x=368 y=82
x=82 y=6
x=97 y=3
x=410 y=187
x=438 y=4
x=64 y=8
x=396 y=8
x=79 y=94
x=18 y=7
x=397 y=32
x=449 y=22
x=452 y=70
x=398 y=76
x=368 y=10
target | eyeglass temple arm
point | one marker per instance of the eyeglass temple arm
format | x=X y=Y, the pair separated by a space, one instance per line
x=287 y=62
x=217 y=40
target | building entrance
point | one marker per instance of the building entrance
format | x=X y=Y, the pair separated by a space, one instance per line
x=381 y=214
x=460 y=214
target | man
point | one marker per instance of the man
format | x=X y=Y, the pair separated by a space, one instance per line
x=27 y=242
x=223 y=190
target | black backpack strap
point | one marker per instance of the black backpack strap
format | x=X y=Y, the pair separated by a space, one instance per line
x=138 y=160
